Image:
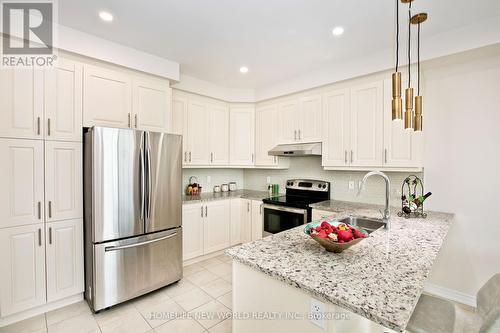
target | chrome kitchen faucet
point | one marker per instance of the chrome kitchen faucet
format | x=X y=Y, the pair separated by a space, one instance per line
x=386 y=215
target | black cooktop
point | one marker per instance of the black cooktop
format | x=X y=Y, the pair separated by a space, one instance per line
x=292 y=201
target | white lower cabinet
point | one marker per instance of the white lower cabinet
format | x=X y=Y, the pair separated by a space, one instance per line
x=192 y=230
x=22 y=268
x=64 y=251
x=216 y=233
x=206 y=227
x=257 y=220
x=216 y=225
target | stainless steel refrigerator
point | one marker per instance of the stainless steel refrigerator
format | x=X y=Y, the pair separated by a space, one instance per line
x=133 y=213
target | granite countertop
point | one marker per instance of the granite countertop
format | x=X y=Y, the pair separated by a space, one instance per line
x=380 y=278
x=210 y=196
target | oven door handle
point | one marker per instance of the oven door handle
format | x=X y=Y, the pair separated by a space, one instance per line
x=286 y=209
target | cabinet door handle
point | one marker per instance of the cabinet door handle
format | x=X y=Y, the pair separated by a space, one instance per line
x=252 y=158
x=206 y=211
x=248 y=206
x=345 y=156
x=128 y=120
x=275 y=159
x=201 y=211
x=50 y=209
x=48 y=126
x=185 y=156
x=299 y=135
x=385 y=155
x=39 y=210
x=189 y=156
x=211 y=157
x=295 y=135
x=38 y=125
x=135 y=120
x=352 y=156
x=260 y=209
x=39 y=237
x=50 y=235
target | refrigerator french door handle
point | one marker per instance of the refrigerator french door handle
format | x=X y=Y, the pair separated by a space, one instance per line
x=143 y=181
x=149 y=178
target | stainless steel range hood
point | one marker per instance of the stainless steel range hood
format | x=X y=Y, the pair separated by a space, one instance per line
x=297 y=149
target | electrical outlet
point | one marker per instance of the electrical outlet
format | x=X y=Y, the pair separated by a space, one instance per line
x=317 y=314
x=209 y=179
x=268 y=180
x=351 y=185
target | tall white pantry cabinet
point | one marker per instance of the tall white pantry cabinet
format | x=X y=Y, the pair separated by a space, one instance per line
x=41 y=213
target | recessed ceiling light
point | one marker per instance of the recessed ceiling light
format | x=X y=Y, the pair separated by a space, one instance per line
x=106 y=16
x=337 y=31
x=244 y=70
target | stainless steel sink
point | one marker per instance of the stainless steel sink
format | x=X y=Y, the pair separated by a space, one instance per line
x=367 y=223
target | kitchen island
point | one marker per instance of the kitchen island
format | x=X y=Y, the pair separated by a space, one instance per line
x=372 y=286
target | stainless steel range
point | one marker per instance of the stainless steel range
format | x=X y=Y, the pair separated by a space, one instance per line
x=292 y=210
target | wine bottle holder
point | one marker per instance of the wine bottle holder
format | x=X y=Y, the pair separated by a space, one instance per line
x=412 y=185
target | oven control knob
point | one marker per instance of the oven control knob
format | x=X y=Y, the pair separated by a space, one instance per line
x=324 y=185
x=319 y=185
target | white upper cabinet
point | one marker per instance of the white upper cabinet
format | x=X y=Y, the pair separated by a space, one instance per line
x=151 y=104
x=309 y=124
x=63 y=101
x=179 y=112
x=287 y=122
x=197 y=152
x=21 y=103
x=22 y=268
x=266 y=136
x=63 y=180
x=402 y=148
x=242 y=131
x=218 y=134
x=107 y=97
x=367 y=125
x=217 y=226
x=336 y=130
x=192 y=230
x=21 y=183
x=64 y=247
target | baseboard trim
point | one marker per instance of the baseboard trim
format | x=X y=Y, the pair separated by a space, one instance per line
x=450 y=294
x=14 y=318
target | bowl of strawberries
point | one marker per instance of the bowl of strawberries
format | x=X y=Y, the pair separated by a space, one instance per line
x=335 y=236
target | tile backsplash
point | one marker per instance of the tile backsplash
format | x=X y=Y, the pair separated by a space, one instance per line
x=307 y=168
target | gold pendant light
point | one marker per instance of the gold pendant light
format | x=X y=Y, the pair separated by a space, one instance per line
x=409 y=90
x=417 y=123
x=397 y=104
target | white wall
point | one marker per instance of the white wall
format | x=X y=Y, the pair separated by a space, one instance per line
x=462 y=163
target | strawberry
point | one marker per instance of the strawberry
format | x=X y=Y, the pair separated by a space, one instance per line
x=323 y=234
x=358 y=234
x=345 y=235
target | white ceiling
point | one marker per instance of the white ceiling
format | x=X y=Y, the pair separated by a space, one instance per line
x=276 y=39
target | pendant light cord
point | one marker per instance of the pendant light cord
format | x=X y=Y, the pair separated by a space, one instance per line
x=397 y=35
x=418 y=60
x=409 y=44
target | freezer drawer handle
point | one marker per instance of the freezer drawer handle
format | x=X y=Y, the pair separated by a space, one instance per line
x=117 y=248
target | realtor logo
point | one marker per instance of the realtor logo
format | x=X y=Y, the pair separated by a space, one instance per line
x=28 y=33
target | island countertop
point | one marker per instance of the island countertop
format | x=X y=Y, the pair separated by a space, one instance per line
x=380 y=278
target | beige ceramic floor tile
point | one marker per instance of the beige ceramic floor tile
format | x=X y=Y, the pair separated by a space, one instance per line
x=220 y=269
x=191 y=269
x=224 y=258
x=67 y=312
x=117 y=312
x=225 y=327
x=217 y=288
x=83 y=323
x=193 y=299
x=227 y=300
x=161 y=313
x=179 y=288
x=30 y=325
x=180 y=326
x=210 y=262
x=210 y=314
x=126 y=320
x=202 y=277
x=151 y=299
x=228 y=278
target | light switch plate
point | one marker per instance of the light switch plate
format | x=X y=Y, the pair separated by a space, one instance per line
x=317 y=313
x=268 y=179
